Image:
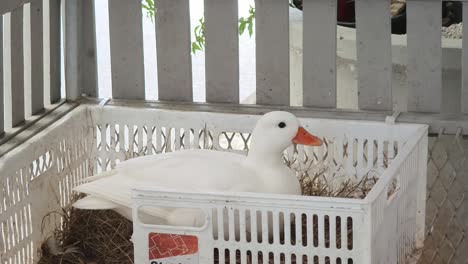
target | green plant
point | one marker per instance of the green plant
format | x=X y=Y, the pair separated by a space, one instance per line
x=199 y=31
x=148 y=5
x=247 y=22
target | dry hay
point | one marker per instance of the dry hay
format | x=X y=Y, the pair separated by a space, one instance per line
x=103 y=236
x=89 y=237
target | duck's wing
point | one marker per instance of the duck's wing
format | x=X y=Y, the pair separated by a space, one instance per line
x=93 y=202
x=187 y=171
x=112 y=193
x=134 y=166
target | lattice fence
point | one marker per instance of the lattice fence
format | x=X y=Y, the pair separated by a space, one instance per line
x=447 y=202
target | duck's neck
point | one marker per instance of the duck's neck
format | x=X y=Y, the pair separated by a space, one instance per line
x=265 y=152
x=259 y=158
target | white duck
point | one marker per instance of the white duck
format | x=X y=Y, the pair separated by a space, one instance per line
x=262 y=170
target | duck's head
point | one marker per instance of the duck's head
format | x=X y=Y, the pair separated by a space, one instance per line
x=276 y=131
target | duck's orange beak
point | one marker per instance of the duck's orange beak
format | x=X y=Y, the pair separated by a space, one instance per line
x=305 y=138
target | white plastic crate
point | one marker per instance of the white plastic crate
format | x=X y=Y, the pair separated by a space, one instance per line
x=37 y=178
x=382 y=228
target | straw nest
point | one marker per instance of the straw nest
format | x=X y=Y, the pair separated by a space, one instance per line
x=103 y=236
x=89 y=237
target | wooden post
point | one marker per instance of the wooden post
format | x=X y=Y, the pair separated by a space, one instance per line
x=222 y=51
x=126 y=44
x=424 y=69
x=173 y=50
x=272 y=50
x=80 y=49
x=374 y=54
x=17 y=67
x=319 y=59
x=37 y=56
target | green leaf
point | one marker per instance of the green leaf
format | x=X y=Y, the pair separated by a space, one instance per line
x=252 y=10
x=148 y=5
x=242 y=28
x=250 y=29
x=195 y=47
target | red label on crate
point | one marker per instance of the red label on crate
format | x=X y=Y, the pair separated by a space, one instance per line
x=173 y=249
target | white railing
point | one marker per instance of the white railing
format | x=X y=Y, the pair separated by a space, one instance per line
x=374 y=55
x=30 y=61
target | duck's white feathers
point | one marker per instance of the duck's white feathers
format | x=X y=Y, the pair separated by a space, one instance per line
x=93 y=202
x=171 y=170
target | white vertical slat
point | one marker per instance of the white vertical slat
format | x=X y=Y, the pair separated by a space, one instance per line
x=2 y=120
x=319 y=42
x=37 y=57
x=243 y=256
x=140 y=140
x=298 y=224
x=113 y=144
x=287 y=228
x=374 y=54
x=173 y=50
x=424 y=21
x=360 y=157
x=222 y=51
x=187 y=138
x=122 y=137
x=253 y=227
x=126 y=44
x=380 y=154
x=80 y=50
x=370 y=154
x=221 y=224
x=149 y=140
x=344 y=232
x=222 y=256
x=254 y=256
x=17 y=67
x=159 y=140
x=264 y=227
x=232 y=255
x=196 y=138
x=177 y=138
x=332 y=225
x=232 y=224
x=89 y=75
x=276 y=227
x=310 y=230
x=272 y=51
x=464 y=97
x=321 y=231
x=242 y=229
x=54 y=54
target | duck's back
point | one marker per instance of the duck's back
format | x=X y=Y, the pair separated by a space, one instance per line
x=189 y=169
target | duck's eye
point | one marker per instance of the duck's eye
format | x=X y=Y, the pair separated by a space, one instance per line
x=282 y=125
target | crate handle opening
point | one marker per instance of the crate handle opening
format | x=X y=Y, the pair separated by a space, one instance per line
x=193 y=218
